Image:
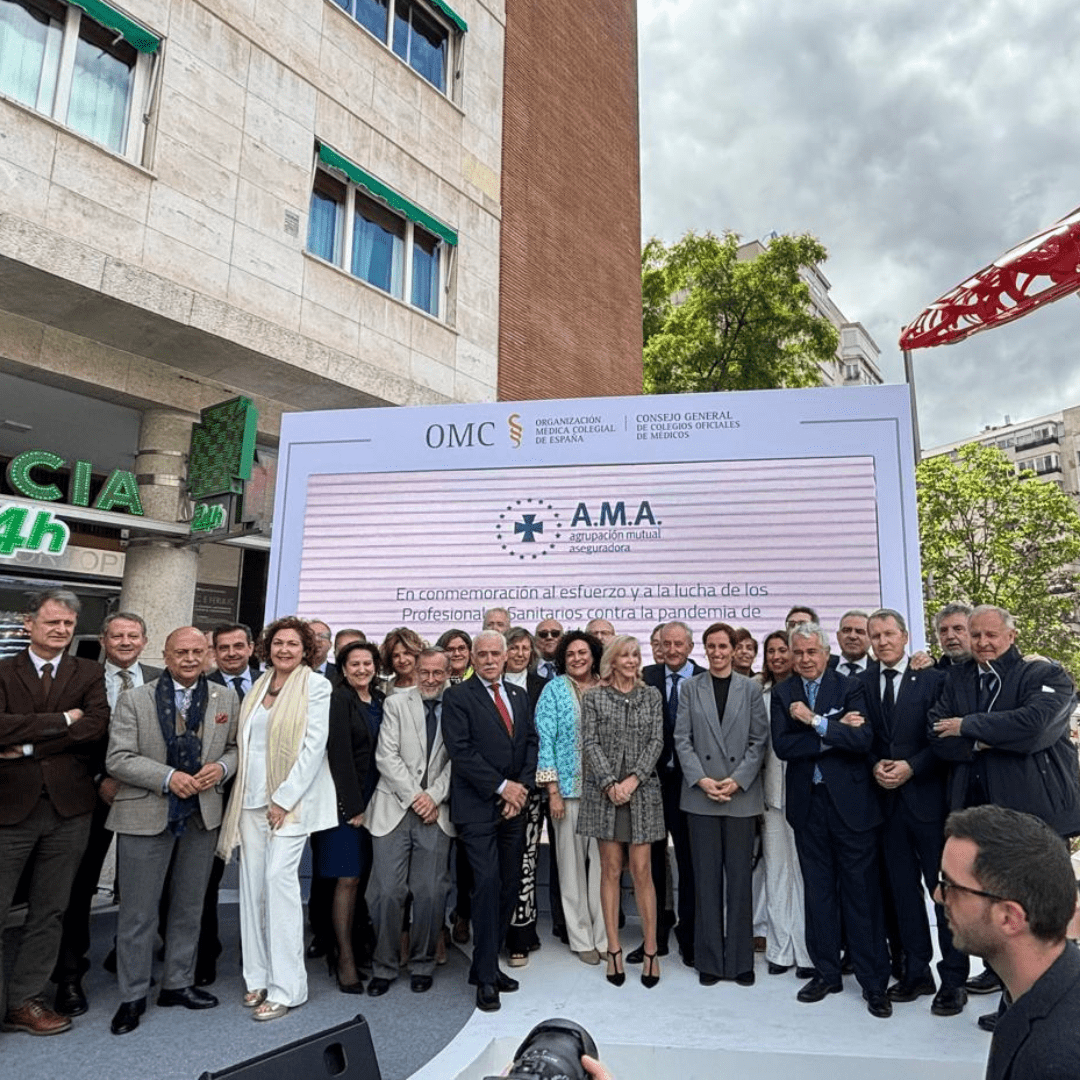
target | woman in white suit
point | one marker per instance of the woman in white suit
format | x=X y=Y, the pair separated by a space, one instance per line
x=721 y=733
x=284 y=791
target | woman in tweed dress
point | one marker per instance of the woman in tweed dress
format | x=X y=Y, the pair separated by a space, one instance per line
x=621 y=739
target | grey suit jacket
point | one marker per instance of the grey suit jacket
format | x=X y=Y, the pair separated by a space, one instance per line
x=401 y=757
x=736 y=749
x=137 y=758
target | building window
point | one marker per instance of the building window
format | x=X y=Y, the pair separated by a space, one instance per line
x=359 y=224
x=423 y=35
x=90 y=73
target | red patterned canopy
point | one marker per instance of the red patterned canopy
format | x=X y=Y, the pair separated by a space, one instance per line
x=1042 y=269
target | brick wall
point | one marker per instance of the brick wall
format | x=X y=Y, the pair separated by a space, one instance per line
x=570 y=262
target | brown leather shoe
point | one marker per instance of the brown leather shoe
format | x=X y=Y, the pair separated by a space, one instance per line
x=35 y=1018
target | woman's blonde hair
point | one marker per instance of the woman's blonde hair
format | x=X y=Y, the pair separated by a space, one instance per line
x=614 y=648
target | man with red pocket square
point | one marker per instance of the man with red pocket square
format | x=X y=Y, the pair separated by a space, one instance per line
x=172 y=745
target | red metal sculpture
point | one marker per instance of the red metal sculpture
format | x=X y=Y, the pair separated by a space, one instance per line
x=1042 y=269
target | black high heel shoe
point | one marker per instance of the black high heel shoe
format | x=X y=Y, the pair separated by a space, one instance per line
x=650 y=980
x=618 y=976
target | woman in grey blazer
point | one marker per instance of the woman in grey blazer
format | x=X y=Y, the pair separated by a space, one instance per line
x=721 y=732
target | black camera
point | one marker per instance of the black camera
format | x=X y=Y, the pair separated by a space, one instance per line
x=552 y=1051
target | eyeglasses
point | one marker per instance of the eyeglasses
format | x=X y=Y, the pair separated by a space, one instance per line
x=549 y=633
x=944 y=884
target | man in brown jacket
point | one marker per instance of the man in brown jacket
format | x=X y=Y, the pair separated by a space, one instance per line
x=52 y=708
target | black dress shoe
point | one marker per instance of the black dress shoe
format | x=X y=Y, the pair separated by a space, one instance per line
x=188 y=996
x=908 y=990
x=706 y=979
x=949 y=1001
x=205 y=975
x=988 y=1021
x=780 y=969
x=504 y=984
x=420 y=984
x=487 y=998
x=636 y=956
x=377 y=987
x=986 y=982
x=687 y=956
x=70 y=999
x=878 y=1003
x=846 y=966
x=805 y=972
x=127 y=1016
x=746 y=978
x=816 y=989
x=315 y=950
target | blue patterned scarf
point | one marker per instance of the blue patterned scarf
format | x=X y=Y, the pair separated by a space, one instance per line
x=184 y=751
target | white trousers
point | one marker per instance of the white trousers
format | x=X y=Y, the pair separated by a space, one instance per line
x=783 y=892
x=271 y=912
x=579 y=885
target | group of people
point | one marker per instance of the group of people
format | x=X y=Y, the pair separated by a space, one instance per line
x=805 y=805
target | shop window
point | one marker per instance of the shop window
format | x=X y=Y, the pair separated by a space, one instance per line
x=86 y=66
x=360 y=225
x=425 y=35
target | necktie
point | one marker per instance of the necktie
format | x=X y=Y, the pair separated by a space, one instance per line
x=673 y=700
x=504 y=712
x=811 y=694
x=238 y=686
x=853 y=668
x=126 y=681
x=46 y=679
x=432 y=722
x=988 y=684
x=182 y=712
x=549 y=670
x=888 y=699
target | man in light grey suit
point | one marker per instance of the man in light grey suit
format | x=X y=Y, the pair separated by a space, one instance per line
x=721 y=734
x=409 y=821
x=172 y=743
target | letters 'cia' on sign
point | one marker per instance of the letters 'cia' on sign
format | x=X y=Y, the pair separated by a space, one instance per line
x=119 y=492
x=23 y=529
x=222 y=449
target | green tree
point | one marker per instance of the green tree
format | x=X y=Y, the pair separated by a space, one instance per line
x=713 y=322
x=991 y=536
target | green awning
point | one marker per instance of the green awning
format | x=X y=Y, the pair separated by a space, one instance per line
x=135 y=35
x=387 y=195
x=451 y=14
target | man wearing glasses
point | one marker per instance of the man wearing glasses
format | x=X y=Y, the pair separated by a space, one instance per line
x=548 y=633
x=1009 y=893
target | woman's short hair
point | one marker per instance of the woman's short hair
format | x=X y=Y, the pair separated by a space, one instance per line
x=449 y=635
x=516 y=633
x=568 y=639
x=410 y=639
x=347 y=650
x=742 y=634
x=720 y=628
x=289 y=622
x=614 y=648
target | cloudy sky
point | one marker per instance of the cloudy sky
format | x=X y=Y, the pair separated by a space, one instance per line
x=916 y=140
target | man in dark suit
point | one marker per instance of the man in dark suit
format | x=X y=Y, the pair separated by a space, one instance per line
x=1007 y=885
x=911 y=781
x=676 y=641
x=123 y=638
x=488 y=730
x=819 y=729
x=53 y=709
x=323 y=640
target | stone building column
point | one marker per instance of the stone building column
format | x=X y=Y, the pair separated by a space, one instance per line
x=159 y=575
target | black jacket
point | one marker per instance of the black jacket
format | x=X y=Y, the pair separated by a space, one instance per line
x=1029 y=763
x=656 y=675
x=350 y=750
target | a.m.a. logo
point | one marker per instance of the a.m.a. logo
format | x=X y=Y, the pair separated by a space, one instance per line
x=612 y=514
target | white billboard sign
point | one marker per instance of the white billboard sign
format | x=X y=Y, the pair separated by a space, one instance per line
x=704 y=508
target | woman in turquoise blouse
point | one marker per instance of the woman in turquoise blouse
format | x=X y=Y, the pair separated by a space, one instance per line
x=558 y=723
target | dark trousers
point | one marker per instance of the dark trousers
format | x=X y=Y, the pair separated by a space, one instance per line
x=913 y=856
x=72 y=960
x=494 y=850
x=55 y=844
x=841 y=874
x=671 y=784
x=723 y=850
x=464 y=882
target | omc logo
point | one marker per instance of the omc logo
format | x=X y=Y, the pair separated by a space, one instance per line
x=528 y=528
x=516 y=430
x=456 y=436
